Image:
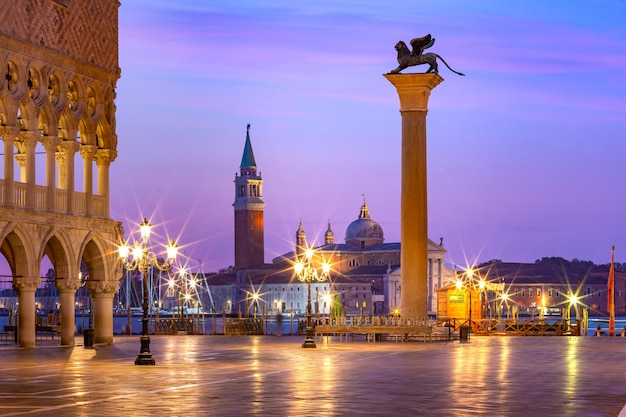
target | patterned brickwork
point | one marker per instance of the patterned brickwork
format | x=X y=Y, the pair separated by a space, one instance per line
x=84 y=30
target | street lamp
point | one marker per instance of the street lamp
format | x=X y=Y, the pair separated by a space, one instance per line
x=306 y=272
x=140 y=258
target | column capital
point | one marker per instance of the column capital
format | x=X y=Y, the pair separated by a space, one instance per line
x=28 y=137
x=20 y=158
x=50 y=143
x=105 y=156
x=102 y=288
x=67 y=284
x=26 y=283
x=69 y=146
x=414 y=89
x=88 y=151
x=9 y=132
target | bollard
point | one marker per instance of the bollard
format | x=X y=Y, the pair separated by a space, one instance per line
x=88 y=336
x=464 y=334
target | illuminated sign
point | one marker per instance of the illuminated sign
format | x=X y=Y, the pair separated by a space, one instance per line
x=457 y=297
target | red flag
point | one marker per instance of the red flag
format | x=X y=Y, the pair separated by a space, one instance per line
x=611 y=295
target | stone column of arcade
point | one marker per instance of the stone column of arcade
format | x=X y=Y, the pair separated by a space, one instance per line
x=67 y=290
x=25 y=288
x=9 y=134
x=104 y=157
x=414 y=91
x=103 y=293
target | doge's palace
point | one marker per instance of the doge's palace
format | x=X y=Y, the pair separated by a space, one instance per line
x=59 y=61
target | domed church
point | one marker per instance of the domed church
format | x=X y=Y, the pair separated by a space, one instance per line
x=365 y=275
x=364 y=247
x=365 y=258
x=364 y=232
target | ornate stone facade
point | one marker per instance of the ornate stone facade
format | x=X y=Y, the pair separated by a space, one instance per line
x=59 y=66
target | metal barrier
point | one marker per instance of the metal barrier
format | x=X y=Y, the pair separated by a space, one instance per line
x=513 y=327
x=175 y=326
x=244 y=326
x=378 y=327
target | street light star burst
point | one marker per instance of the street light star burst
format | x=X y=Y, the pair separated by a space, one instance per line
x=140 y=258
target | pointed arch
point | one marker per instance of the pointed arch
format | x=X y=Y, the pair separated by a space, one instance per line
x=16 y=247
x=48 y=123
x=28 y=114
x=93 y=250
x=57 y=246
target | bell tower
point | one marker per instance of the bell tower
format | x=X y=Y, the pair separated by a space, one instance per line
x=249 y=246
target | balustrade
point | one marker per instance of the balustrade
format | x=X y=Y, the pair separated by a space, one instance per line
x=41 y=200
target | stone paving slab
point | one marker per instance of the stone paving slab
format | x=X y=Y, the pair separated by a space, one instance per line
x=274 y=376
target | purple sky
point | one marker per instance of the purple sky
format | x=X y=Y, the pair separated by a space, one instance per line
x=525 y=154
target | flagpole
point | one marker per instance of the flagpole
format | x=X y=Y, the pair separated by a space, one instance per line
x=611 y=294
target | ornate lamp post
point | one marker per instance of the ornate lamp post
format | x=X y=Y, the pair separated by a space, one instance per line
x=306 y=272
x=140 y=258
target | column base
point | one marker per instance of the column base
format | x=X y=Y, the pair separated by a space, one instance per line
x=145 y=357
x=309 y=341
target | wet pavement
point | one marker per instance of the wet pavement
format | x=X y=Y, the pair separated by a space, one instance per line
x=274 y=376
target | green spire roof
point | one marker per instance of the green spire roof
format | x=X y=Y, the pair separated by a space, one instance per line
x=247 y=160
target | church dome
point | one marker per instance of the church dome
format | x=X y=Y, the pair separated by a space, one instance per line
x=364 y=231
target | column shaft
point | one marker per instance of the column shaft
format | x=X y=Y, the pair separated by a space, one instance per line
x=414 y=91
x=25 y=288
x=8 y=137
x=50 y=144
x=103 y=317
x=69 y=149
x=104 y=157
x=88 y=152
x=68 y=317
x=30 y=143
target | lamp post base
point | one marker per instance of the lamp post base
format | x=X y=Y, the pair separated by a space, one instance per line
x=145 y=357
x=309 y=341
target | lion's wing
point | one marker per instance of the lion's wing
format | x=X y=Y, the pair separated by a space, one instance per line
x=419 y=44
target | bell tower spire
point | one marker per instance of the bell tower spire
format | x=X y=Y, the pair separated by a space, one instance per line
x=301 y=244
x=249 y=227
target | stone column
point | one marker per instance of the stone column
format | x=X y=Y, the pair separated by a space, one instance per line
x=104 y=157
x=20 y=199
x=440 y=273
x=50 y=143
x=414 y=91
x=65 y=159
x=26 y=314
x=103 y=293
x=431 y=290
x=29 y=139
x=9 y=133
x=67 y=289
x=88 y=152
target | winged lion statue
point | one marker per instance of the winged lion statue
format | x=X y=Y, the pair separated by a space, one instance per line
x=408 y=58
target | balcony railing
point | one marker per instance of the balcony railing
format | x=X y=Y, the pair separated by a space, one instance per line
x=60 y=200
